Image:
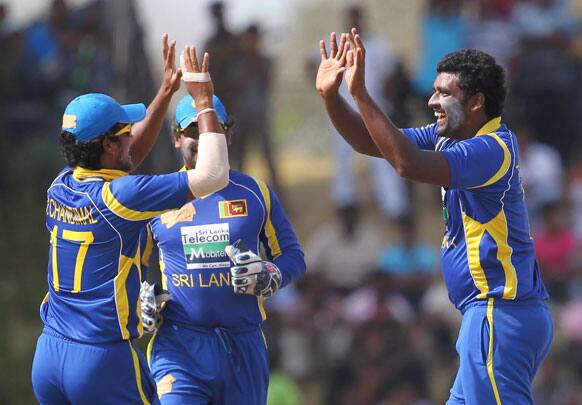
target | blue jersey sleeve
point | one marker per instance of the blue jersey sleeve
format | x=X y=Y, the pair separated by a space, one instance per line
x=478 y=162
x=139 y=198
x=279 y=239
x=424 y=137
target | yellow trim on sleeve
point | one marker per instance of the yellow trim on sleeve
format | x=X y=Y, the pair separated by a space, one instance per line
x=490 y=354
x=121 y=299
x=269 y=228
x=497 y=228
x=261 y=302
x=504 y=165
x=137 y=370
x=122 y=211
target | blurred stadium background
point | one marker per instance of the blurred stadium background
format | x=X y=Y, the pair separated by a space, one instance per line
x=370 y=327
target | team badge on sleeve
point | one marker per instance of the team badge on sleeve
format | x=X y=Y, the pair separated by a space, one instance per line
x=234 y=208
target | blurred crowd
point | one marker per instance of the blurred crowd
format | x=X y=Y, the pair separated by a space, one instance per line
x=370 y=323
x=48 y=62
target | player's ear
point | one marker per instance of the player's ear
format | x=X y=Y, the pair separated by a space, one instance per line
x=110 y=145
x=477 y=101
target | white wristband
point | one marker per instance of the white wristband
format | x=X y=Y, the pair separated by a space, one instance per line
x=193 y=76
x=203 y=111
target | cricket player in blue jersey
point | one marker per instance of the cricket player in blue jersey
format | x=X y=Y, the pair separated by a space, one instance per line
x=95 y=212
x=209 y=348
x=488 y=259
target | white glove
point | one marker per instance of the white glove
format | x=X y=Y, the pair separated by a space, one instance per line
x=151 y=298
x=250 y=274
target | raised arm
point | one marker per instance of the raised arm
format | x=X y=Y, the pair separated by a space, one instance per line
x=211 y=171
x=399 y=150
x=145 y=133
x=327 y=82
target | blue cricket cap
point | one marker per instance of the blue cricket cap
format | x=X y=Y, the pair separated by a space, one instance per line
x=91 y=115
x=186 y=111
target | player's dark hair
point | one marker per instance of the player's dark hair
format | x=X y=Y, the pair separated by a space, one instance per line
x=86 y=154
x=478 y=73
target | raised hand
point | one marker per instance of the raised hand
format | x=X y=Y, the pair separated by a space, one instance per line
x=355 y=62
x=329 y=74
x=198 y=85
x=172 y=75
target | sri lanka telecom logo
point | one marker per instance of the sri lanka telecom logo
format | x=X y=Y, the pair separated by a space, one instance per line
x=204 y=246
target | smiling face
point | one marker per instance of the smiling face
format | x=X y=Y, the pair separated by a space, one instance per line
x=449 y=105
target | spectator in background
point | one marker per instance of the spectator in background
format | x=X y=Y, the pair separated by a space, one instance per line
x=555 y=246
x=344 y=251
x=397 y=90
x=545 y=29
x=5 y=25
x=224 y=46
x=283 y=390
x=389 y=189
x=574 y=192
x=541 y=172
x=410 y=264
x=43 y=45
x=492 y=32
x=444 y=30
x=253 y=72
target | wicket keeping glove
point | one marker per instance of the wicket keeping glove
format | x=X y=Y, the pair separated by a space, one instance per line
x=250 y=274
x=151 y=298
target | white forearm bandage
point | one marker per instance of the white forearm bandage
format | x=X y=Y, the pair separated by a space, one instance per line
x=211 y=171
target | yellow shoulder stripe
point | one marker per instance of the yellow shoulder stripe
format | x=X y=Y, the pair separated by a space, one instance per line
x=122 y=211
x=504 y=165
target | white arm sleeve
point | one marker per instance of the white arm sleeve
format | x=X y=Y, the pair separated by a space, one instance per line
x=211 y=171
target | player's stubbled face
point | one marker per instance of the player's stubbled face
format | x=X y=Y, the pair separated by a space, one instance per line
x=189 y=150
x=125 y=162
x=448 y=105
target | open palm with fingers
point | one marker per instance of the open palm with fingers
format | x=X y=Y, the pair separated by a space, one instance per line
x=355 y=65
x=201 y=91
x=172 y=75
x=330 y=72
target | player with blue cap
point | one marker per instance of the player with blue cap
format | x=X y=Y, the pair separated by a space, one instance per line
x=91 y=115
x=210 y=348
x=95 y=214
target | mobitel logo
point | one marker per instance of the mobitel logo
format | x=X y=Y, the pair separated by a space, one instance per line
x=204 y=246
x=234 y=208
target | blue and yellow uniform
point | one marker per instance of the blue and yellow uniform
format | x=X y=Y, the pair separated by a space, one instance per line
x=489 y=267
x=91 y=312
x=210 y=348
